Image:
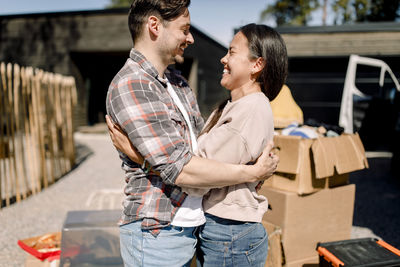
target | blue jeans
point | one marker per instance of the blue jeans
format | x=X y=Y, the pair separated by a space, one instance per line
x=225 y=243
x=174 y=246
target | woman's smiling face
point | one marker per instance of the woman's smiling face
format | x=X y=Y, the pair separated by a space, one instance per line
x=237 y=63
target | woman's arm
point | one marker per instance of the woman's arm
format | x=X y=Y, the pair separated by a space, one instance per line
x=204 y=173
x=121 y=141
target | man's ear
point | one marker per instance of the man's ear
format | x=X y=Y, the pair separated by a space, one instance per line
x=153 y=24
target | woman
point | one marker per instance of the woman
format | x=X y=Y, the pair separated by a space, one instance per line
x=255 y=69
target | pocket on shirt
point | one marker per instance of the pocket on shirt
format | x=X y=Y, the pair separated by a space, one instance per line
x=175 y=116
x=178 y=122
x=198 y=121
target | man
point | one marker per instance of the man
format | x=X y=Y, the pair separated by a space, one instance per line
x=159 y=221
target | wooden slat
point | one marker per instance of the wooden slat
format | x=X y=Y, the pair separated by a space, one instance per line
x=3 y=155
x=36 y=131
x=10 y=132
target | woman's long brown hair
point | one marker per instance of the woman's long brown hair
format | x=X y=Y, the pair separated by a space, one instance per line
x=215 y=117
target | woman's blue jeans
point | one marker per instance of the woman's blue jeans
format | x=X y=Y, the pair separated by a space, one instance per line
x=224 y=243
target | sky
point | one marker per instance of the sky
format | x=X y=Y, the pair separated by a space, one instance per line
x=216 y=18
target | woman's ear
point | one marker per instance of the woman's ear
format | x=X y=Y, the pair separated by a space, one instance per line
x=259 y=65
x=153 y=25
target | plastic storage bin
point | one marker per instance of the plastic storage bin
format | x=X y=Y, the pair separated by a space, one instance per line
x=91 y=238
x=358 y=252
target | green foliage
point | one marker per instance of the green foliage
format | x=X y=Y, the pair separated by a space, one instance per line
x=384 y=10
x=298 y=12
x=361 y=8
x=341 y=8
x=291 y=12
x=350 y=10
x=119 y=3
x=365 y=10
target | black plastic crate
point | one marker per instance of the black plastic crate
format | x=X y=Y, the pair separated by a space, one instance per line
x=363 y=252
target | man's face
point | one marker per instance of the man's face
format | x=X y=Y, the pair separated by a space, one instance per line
x=175 y=37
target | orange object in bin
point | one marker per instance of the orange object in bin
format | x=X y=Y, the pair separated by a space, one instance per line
x=358 y=252
x=43 y=246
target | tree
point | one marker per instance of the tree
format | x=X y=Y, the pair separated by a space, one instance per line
x=291 y=12
x=365 y=10
x=349 y=10
x=384 y=10
x=298 y=12
x=119 y=3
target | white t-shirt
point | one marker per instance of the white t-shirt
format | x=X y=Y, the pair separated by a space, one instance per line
x=191 y=213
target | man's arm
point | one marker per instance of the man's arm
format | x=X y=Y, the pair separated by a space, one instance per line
x=204 y=173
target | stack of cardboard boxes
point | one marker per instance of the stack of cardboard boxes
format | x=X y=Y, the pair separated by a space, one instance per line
x=310 y=197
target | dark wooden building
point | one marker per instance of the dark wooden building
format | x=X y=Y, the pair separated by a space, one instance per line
x=92 y=46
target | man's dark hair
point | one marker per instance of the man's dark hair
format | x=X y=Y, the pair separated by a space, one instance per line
x=166 y=10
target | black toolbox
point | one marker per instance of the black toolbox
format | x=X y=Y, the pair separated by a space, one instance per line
x=358 y=252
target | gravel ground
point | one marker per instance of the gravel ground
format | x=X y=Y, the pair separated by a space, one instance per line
x=96 y=183
x=377 y=204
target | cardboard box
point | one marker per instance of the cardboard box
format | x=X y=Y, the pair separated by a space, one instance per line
x=275 y=256
x=309 y=165
x=324 y=216
x=307 y=262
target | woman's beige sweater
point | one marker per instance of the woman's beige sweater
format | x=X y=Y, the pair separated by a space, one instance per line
x=239 y=137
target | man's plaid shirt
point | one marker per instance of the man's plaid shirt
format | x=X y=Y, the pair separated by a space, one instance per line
x=139 y=102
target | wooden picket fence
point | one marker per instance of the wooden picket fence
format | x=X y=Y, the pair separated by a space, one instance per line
x=36 y=131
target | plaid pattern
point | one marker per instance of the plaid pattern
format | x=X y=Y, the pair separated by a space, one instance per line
x=138 y=100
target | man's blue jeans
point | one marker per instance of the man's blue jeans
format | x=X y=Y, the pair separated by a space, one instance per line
x=224 y=243
x=174 y=246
